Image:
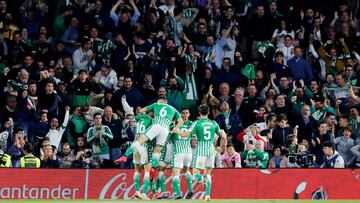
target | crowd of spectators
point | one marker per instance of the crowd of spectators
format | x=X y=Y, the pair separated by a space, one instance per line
x=281 y=78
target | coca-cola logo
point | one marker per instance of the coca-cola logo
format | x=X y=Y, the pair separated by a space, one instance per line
x=123 y=190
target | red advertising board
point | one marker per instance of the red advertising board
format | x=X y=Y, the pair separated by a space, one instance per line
x=42 y=184
x=227 y=184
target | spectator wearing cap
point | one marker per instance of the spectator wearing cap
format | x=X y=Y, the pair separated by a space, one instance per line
x=299 y=67
x=82 y=87
x=133 y=94
x=107 y=77
x=343 y=145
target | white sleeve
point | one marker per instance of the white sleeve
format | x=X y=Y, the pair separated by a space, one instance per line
x=127 y=108
x=339 y=162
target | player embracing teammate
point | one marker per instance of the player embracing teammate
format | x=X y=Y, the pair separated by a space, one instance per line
x=178 y=149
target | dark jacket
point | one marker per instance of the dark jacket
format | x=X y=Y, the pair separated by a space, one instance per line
x=50 y=163
x=280 y=136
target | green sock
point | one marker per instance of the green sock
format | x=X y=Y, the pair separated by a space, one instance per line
x=208 y=185
x=135 y=146
x=137 y=181
x=197 y=177
x=146 y=182
x=153 y=187
x=189 y=181
x=176 y=185
x=162 y=180
x=155 y=160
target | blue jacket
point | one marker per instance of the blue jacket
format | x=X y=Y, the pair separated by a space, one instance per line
x=300 y=68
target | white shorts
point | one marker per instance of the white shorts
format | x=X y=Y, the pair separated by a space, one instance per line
x=202 y=162
x=181 y=160
x=141 y=159
x=166 y=155
x=161 y=134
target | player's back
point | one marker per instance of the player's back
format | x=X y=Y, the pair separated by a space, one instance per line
x=205 y=130
x=142 y=123
x=163 y=114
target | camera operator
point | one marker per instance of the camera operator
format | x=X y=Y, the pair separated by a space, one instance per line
x=302 y=158
x=5 y=159
x=332 y=158
x=84 y=159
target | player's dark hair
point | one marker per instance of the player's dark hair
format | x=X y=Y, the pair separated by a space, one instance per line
x=203 y=109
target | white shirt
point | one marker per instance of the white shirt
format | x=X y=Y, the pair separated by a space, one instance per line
x=55 y=135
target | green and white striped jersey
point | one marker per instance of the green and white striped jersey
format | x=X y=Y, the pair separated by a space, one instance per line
x=205 y=130
x=143 y=122
x=182 y=145
x=164 y=114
